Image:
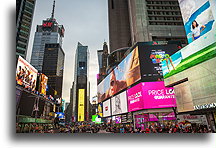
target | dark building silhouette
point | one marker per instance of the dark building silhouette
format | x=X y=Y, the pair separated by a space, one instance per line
x=53 y=67
x=24 y=17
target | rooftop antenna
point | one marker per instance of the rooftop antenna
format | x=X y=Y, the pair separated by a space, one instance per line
x=53 y=10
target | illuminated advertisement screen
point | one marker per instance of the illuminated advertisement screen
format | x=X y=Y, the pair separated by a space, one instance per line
x=198 y=17
x=106 y=108
x=125 y=74
x=149 y=95
x=96 y=119
x=201 y=36
x=190 y=56
x=26 y=74
x=100 y=109
x=43 y=84
x=119 y=103
x=81 y=101
x=151 y=58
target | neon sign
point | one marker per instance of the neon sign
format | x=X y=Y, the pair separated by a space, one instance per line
x=47 y=24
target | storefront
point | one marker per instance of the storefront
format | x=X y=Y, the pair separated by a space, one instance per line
x=159 y=117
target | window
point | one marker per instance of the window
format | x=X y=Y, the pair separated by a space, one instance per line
x=81 y=64
x=112 y=4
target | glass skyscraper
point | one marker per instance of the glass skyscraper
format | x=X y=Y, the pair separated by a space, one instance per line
x=49 y=32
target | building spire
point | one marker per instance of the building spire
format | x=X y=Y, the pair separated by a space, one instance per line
x=53 y=10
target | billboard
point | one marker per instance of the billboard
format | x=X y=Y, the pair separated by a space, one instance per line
x=43 y=84
x=198 y=17
x=81 y=103
x=149 y=95
x=151 y=57
x=106 y=108
x=119 y=103
x=189 y=56
x=26 y=74
x=100 y=109
x=96 y=119
x=124 y=75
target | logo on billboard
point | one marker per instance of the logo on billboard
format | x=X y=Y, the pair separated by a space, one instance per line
x=47 y=24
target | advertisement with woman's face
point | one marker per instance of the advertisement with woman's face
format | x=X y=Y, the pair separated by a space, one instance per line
x=198 y=17
x=119 y=103
x=124 y=75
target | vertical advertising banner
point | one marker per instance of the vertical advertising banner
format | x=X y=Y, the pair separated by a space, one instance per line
x=198 y=17
x=26 y=74
x=43 y=84
x=106 y=108
x=135 y=99
x=100 y=109
x=119 y=103
x=81 y=103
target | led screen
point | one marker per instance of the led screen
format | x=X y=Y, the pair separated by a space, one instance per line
x=125 y=74
x=43 y=84
x=149 y=95
x=201 y=48
x=26 y=74
x=151 y=57
x=119 y=103
x=81 y=102
x=198 y=17
x=106 y=108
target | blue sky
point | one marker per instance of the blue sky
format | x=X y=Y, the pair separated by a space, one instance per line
x=85 y=21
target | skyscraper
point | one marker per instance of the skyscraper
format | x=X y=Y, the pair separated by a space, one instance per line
x=49 y=32
x=132 y=21
x=159 y=20
x=53 y=67
x=24 y=16
x=80 y=95
x=119 y=28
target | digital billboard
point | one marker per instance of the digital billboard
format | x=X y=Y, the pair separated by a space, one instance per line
x=202 y=47
x=151 y=57
x=198 y=17
x=149 y=95
x=125 y=74
x=106 y=108
x=43 y=84
x=119 y=103
x=96 y=119
x=189 y=56
x=26 y=74
x=81 y=103
x=100 y=109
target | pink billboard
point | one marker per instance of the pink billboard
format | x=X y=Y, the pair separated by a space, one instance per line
x=148 y=95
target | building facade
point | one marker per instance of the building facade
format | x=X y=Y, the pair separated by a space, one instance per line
x=49 y=32
x=119 y=28
x=24 y=16
x=132 y=21
x=159 y=20
x=80 y=93
x=53 y=67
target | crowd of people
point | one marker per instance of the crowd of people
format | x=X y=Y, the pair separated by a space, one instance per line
x=118 y=128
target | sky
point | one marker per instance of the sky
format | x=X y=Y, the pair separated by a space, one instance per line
x=85 y=21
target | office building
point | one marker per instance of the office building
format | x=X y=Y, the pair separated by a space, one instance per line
x=119 y=28
x=132 y=21
x=49 y=32
x=24 y=16
x=80 y=89
x=53 y=67
x=159 y=20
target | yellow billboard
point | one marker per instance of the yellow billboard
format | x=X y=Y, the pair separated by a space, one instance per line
x=81 y=102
